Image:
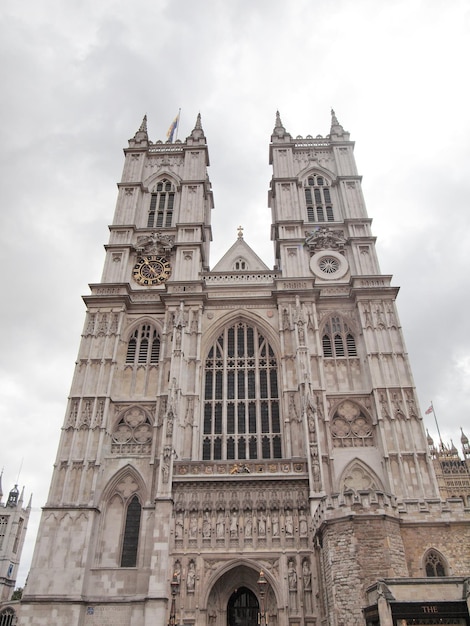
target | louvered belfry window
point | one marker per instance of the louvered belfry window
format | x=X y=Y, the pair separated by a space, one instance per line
x=241 y=397
x=338 y=341
x=144 y=346
x=318 y=200
x=161 y=206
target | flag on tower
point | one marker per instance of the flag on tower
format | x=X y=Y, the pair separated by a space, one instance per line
x=173 y=127
x=430 y=410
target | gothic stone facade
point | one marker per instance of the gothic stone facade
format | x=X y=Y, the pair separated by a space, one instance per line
x=239 y=420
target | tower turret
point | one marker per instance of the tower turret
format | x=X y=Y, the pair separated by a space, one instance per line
x=13 y=525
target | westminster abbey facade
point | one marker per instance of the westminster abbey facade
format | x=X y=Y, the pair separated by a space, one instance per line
x=243 y=445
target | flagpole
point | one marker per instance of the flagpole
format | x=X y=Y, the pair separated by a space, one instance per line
x=437 y=425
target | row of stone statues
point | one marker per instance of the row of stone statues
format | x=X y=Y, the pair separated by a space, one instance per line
x=249 y=523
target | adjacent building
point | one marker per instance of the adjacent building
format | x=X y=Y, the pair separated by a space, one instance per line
x=14 y=518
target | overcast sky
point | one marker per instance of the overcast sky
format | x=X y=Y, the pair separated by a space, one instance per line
x=77 y=78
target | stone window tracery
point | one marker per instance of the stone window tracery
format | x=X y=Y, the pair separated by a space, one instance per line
x=350 y=427
x=338 y=340
x=144 y=346
x=7 y=617
x=133 y=433
x=161 y=205
x=434 y=564
x=241 y=398
x=318 y=199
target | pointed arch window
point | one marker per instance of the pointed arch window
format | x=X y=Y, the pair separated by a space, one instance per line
x=240 y=264
x=3 y=528
x=161 y=205
x=318 y=199
x=144 y=346
x=7 y=617
x=130 y=542
x=241 y=397
x=338 y=341
x=434 y=564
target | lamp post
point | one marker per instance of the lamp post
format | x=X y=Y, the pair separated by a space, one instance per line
x=262 y=584
x=175 y=585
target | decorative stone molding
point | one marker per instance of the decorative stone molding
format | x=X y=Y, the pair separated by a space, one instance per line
x=325 y=239
x=155 y=243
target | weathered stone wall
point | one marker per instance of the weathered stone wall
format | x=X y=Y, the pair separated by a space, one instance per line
x=452 y=541
x=341 y=573
x=47 y=614
x=357 y=551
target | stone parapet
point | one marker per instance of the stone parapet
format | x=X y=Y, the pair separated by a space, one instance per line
x=379 y=503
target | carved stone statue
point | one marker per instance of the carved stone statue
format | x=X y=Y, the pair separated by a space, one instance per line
x=191 y=577
x=292 y=576
x=220 y=525
x=234 y=525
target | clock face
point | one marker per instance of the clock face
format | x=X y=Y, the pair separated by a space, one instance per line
x=151 y=270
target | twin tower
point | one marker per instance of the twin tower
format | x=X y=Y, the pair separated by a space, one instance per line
x=243 y=445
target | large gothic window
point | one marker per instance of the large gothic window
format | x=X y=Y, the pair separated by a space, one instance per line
x=318 y=199
x=161 y=205
x=338 y=340
x=144 y=346
x=241 y=397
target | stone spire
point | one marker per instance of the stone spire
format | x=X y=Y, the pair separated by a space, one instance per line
x=278 y=123
x=337 y=132
x=197 y=134
x=463 y=438
x=279 y=132
x=465 y=445
x=141 y=136
x=143 y=126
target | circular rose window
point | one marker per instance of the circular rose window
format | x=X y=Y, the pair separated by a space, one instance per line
x=329 y=265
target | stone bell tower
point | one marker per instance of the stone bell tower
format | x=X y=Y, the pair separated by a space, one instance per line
x=14 y=516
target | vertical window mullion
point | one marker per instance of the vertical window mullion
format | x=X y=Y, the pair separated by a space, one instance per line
x=236 y=379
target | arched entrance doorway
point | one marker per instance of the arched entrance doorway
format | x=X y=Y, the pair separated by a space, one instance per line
x=234 y=595
x=242 y=608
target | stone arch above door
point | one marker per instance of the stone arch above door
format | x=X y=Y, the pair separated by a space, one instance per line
x=227 y=580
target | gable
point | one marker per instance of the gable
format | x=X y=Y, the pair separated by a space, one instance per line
x=240 y=257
